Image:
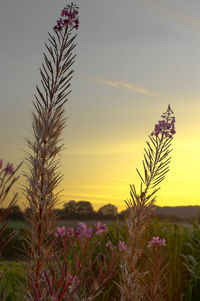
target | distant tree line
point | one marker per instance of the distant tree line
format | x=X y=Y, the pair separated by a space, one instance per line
x=76 y=210
x=84 y=210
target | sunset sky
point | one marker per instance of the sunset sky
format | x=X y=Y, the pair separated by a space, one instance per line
x=134 y=57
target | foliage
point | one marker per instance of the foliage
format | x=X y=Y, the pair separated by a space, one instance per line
x=140 y=206
x=83 y=263
x=7 y=179
x=48 y=122
x=182 y=276
x=13 y=277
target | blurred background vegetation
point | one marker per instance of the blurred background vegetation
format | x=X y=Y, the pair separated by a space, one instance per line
x=182 y=249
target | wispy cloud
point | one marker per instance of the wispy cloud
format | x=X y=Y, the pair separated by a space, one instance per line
x=177 y=16
x=125 y=85
x=89 y=196
x=119 y=85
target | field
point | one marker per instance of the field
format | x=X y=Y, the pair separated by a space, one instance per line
x=182 y=249
x=67 y=223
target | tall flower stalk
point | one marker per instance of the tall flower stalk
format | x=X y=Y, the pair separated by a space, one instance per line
x=140 y=206
x=48 y=123
x=7 y=179
x=156 y=263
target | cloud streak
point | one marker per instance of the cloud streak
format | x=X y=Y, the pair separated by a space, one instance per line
x=89 y=195
x=125 y=85
x=119 y=85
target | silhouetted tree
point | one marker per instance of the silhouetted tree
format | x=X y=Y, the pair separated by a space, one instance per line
x=85 y=209
x=16 y=213
x=70 y=209
x=108 y=209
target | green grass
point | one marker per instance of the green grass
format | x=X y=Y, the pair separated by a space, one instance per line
x=15 y=224
x=183 y=253
x=13 y=276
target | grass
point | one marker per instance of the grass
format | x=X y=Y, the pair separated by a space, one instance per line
x=13 y=276
x=183 y=253
x=16 y=224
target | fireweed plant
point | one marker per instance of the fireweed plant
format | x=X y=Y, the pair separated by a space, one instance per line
x=7 y=179
x=155 y=282
x=52 y=272
x=140 y=206
x=48 y=122
x=75 y=274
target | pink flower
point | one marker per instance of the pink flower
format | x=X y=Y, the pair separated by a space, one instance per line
x=167 y=128
x=63 y=13
x=121 y=246
x=70 y=13
x=173 y=131
x=109 y=245
x=61 y=231
x=162 y=242
x=83 y=230
x=1 y=163
x=89 y=232
x=100 y=228
x=156 y=240
x=9 y=169
x=70 y=231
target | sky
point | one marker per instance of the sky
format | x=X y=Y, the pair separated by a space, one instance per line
x=134 y=57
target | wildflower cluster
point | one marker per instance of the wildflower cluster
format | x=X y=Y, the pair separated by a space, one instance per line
x=121 y=245
x=165 y=126
x=82 y=231
x=5 y=186
x=69 y=18
x=79 y=247
x=100 y=228
x=155 y=240
x=9 y=168
x=61 y=231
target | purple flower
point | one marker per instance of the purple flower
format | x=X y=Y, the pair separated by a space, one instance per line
x=155 y=240
x=83 y=230
x=63 y=13
x=76 y=23
x=109 y=245
x=70 y=13
x=100 y=228
x=65 y=22
x=82 y=227
x=59 y=28
x=70 y=231
x=59 y=22
x=61 y=231
x=162 y=242
x=167 y=128
x=168 y=125
x=173 y=131
x=121 y=246
x=89 y=232
x=9 y=169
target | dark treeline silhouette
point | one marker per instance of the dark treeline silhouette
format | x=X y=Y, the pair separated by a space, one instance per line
x=75 y=210
x=84 y=210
